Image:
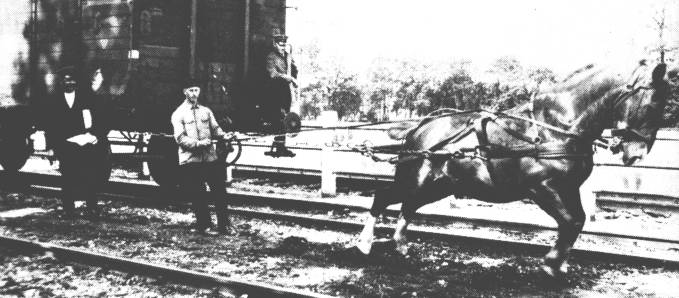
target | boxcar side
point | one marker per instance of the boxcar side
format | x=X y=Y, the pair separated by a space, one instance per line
x=144 y=49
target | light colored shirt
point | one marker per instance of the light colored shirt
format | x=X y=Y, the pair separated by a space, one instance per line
x=192 y=124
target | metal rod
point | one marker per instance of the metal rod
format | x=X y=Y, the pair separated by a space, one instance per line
x=246 y=40
x=33 y=50
x=192 y=38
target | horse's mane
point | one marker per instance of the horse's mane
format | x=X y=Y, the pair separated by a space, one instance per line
x=601 y=89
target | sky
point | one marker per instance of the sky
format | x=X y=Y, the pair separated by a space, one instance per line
x=561 y=35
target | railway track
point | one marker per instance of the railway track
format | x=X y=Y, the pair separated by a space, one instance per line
x=627 y=200
x=658 y=250
x=183 y=276
x=608 y=199
x=605 y=199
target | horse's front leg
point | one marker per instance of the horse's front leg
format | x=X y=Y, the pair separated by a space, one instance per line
x=564 y=205
x=400 y=235
x=365 y=239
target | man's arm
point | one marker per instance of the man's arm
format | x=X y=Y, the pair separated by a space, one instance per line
x=273 y=65
x=102 y=122
x=293 y=68
x=47 y=123
x=271 y=70
x=215 y=129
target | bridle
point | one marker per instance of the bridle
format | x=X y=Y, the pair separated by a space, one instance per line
x=628 y=134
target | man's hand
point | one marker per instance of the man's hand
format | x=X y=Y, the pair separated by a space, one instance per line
x=290 y=79
x=204 y=143
x=92 y=139
x=229 y=136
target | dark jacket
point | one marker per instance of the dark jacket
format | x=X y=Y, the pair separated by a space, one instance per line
x=277 y=65
x=61 y=122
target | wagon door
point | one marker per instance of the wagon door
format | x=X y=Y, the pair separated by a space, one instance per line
x=265 y=18
x=161 y=41
x=107 y=47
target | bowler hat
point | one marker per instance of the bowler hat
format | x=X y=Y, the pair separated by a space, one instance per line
x=191 y=82
x=280 y=38
x=66 y=70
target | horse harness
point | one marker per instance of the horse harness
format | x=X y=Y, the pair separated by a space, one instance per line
x=487 y=151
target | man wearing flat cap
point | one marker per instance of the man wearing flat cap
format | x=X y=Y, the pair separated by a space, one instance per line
x=282 y=77
x=195 y=127
x=76 y=132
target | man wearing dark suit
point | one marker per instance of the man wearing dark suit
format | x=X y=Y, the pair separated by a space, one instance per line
x=77 y=135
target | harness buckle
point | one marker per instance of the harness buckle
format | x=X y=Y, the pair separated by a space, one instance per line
x=478 y=153
x=615 y=145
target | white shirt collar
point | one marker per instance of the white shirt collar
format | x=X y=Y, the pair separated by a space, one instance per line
x=70 y=99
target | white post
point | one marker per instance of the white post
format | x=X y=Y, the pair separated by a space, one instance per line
x=145 y=169
x=328 y=177
x=229 y=174
x=588 y=198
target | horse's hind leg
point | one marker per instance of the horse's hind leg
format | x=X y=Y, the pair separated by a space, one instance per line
x=400 y=234
x=429 y=192
x=383 y=198
x=563 y=204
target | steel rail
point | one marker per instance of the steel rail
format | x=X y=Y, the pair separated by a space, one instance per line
x=152 y=191
x=182 y=276
x=607 y=200
x=142 y=192
x=449 y=236
x=636 y=200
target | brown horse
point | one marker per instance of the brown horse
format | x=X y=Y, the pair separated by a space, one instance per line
x=504 y=157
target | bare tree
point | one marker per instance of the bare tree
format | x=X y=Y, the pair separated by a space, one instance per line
x=660 y=28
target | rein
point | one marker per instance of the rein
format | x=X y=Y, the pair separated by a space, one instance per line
x=535 y=147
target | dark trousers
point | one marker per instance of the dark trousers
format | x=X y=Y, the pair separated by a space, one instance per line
x=192 y=185
x=83 y=172
x=279 y=101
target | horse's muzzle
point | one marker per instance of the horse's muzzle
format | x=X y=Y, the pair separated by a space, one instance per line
x=633 y=152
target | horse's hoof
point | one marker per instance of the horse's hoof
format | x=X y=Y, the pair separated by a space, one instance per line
x=384 y=245
x=552 y=272
x=402 y=249
x=364 y=247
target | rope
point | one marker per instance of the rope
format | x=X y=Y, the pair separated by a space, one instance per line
x=367 y=150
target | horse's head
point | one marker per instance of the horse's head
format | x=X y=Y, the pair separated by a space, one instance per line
x=640 y=109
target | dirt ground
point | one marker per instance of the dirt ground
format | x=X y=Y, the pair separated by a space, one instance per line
x=290 y=255
x=44 y=276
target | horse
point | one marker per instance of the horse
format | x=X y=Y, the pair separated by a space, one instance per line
x=543 y=151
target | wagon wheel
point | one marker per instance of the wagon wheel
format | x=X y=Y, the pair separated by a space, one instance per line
x=15 y=152
x=164 y=162
x=16 y=125
x=229 y=151
x=292 y=123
